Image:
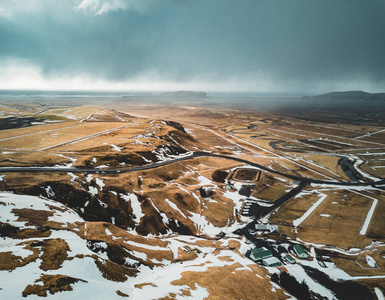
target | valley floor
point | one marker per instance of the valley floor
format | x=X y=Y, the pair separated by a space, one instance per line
x=200 y=201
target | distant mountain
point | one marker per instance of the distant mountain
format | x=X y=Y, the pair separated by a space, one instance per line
x=348 y=96
x=184 y=94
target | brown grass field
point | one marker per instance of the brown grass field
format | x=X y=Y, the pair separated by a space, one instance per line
x=305 y=148
x=338 y=219
x=44 y=140
x=11 y=133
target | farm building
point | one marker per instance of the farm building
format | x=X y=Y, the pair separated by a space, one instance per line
x=289 y=259
x=271 y=262
x=273 y=229
x=300 y=251
x=258 y=254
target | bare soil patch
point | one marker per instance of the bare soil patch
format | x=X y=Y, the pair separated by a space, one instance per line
x=224 y=283
x=52 y=284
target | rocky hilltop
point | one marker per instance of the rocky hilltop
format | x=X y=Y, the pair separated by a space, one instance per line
x=50 y=251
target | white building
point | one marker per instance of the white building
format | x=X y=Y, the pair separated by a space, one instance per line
x=271 y=262
x=267 y=227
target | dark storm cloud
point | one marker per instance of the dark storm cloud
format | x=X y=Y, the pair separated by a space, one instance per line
x=286 y=41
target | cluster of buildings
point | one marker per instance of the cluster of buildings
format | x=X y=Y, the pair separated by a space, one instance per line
x=265 y=256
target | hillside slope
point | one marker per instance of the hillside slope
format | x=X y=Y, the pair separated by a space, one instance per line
x=49 y=250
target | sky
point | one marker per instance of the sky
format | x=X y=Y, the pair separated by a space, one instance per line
x=291 y=46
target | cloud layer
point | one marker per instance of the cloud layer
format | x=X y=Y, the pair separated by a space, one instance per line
x=255 y=45
x=99 y=7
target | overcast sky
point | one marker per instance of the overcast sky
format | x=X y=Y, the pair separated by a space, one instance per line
x=305 y=46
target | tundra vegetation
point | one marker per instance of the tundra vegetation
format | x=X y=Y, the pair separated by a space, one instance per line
x=183 y=226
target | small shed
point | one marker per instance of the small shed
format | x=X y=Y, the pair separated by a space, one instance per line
x=258 y=254
x=321 y=263
x=300 y=251
x=271 y=262
x=289 y=259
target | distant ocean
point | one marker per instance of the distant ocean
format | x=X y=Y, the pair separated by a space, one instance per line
x=120 y=94
x=231 y=99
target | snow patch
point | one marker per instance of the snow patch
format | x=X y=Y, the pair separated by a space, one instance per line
x=67 y=165
x=368 y=217
x=50 y=192
x=298 y=221
x=370 y=261
x=93 y=190
x=204 y=180
x=102 y=167
x=175 y=207
x=135 y=205
x=100 y=183
x=379 y=294
x=89 y=178
x=74 y=177
x=116 y=148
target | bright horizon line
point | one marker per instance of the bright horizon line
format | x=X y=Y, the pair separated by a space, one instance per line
x=158 y=91
x=149 y=91
x=17 y=76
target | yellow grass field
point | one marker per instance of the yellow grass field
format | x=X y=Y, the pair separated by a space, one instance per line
x=187 y=197
x=338 y=220
x=78 y=112
x=294 y=208
x=14 y=133
x=43 y=140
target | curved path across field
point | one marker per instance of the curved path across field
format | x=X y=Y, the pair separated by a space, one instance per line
x=183 y=158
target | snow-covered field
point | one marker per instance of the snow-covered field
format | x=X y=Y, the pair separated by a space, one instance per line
x=149 y=283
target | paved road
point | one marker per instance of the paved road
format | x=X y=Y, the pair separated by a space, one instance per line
x=93 y=170
x=290 y=176
x=258 y=211
x=183 y=158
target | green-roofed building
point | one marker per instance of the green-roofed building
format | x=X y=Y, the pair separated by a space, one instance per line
x=300 y=251
x=289 y=259
x=258 y=254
